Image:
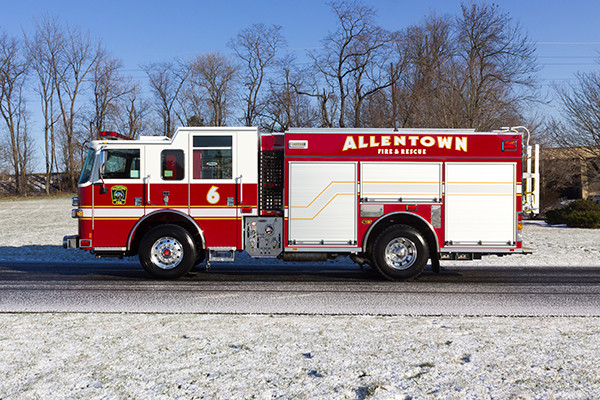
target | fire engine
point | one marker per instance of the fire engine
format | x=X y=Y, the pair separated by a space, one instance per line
x=394 y=199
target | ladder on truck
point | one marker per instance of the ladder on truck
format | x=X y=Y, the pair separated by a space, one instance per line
x=531 y=176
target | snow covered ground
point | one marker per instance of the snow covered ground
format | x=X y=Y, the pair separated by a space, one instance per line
x=116 y=356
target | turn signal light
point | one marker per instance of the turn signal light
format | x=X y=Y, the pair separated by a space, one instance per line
x=76 y=213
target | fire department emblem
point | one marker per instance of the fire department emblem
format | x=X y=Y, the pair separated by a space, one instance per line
x=118 y=194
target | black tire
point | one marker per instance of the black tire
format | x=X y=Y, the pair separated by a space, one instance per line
x=400 y=253
x=167 y=252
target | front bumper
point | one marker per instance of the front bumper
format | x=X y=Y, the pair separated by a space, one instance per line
x=71 y=242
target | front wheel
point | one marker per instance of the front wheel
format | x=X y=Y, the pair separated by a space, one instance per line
x=400 y=253
x=167 y=252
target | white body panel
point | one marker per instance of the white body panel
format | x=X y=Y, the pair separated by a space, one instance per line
x=244 y=152
x=322 y=203
x=401 y=181
x=480 y=204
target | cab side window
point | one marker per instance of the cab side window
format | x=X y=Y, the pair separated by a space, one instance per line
x=122 y=164
x=212 y=157
x=172 y=165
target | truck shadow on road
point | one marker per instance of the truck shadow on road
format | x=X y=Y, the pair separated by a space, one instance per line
x=37 y=262
x=53 y=263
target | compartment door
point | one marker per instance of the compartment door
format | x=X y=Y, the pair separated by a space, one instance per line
x=410 y=182
x=322 y=203
x=480 y=204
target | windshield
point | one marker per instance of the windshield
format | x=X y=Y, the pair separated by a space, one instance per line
x=87 y=166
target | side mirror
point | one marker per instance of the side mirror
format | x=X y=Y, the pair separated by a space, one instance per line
x=102 y=162
x=102 y=159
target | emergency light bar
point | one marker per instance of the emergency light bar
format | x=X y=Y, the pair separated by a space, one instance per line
x=112 y=135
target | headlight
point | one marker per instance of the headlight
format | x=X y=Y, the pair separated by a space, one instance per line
x=75 y=201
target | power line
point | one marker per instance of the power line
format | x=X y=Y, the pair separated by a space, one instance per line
x=567 y=43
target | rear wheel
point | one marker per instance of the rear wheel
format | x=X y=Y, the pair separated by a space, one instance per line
x=400 y=253
x=167 y=252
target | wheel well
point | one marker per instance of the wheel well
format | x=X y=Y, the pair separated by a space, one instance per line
x=162 y=218
x=403 y=219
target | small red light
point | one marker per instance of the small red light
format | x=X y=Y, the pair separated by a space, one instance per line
x=112 y=135
x=509 y=145
x=411 y=207
x=246 y=210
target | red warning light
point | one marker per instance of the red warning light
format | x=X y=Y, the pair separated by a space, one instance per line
x=509 y=145
x=112 y=135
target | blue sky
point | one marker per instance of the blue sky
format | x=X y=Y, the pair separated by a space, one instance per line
x=140 y=32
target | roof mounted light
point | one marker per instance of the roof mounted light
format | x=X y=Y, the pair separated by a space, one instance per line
x=112 y=135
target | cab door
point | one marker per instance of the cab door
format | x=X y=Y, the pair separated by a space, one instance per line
x=166 y=180
x=215 y=187
x=117 y=197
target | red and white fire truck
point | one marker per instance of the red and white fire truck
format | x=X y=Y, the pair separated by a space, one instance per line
x=390 y=198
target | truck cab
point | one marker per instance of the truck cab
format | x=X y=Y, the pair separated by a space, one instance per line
x=199 y=184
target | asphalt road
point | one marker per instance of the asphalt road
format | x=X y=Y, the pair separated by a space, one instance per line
x=331 y=289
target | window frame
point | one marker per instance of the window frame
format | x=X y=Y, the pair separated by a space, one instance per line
x=213 y=142
x=180 y=156
x=117 y=149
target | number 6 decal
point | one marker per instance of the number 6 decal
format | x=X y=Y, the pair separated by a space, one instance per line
x=213 y=196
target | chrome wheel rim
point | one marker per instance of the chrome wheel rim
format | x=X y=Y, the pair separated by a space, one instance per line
x=166 y=253
x=400 y=253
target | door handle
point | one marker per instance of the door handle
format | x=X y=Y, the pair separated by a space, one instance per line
x=239 y=182
x=147 y=179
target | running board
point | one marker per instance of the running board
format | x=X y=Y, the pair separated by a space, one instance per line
x=221 y=253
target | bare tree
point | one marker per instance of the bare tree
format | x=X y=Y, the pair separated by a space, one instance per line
x=133 y=112
x=496 y=67
x=166 y=81
x=370 y=74
x=350 y=49
x=73 y=56
x=257 y=48
x=575 y=136
x=214 y=76
x=13 y=71
x=191 y=104
x=285 y=106
x=423 y=52
x=109 y=88
x=43 y=47
x=580 y=109
x=324 y=95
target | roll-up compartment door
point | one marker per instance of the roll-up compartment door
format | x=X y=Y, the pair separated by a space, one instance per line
x=322 y=203
x=480 y=205
x=401 y=182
